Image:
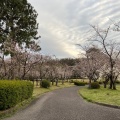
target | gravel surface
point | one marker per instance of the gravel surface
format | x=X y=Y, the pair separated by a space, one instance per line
x=65 y=104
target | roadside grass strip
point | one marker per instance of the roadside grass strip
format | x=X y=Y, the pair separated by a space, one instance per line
x=102 y=95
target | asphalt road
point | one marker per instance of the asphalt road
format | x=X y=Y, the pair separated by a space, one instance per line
x=65 y=104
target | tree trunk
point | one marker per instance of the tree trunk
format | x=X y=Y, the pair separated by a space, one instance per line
x=111 y=84
x=89 y=86
x=105 y=84
x=52 y=81
x=33 y=82
x=4 y=65
x=62 y=81
x=114 y=86
x=41 y=82
x=24 y=70
x=12 y=70
x=19 y=70
x=36 y=82
x=56 y=82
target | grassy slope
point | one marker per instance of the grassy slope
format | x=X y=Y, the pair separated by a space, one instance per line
x=102 y=95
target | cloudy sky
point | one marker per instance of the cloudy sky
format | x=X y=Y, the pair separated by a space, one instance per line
x=63 y=23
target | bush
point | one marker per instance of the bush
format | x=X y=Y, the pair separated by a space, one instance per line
x=45 y=83
x=95 y=85
x=14 y=92
x=79 y=83
x=100 y=82
x=71 y=81
x=117 y=81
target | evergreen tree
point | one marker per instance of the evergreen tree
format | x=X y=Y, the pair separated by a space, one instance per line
x=18 y=25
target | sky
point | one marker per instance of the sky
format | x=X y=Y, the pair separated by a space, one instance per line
x=65 y=23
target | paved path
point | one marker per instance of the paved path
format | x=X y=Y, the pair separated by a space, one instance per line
x=65 y=104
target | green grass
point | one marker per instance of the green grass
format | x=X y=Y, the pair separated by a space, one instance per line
x=102 y=95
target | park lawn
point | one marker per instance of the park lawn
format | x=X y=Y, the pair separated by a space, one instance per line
x=39 y=91
x=102 y=95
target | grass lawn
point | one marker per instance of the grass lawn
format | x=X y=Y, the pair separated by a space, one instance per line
x=39 y=91
x=102 y=95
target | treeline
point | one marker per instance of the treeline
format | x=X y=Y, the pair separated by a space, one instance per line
x=28 y=66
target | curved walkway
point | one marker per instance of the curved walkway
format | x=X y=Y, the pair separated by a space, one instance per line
x=65 y=104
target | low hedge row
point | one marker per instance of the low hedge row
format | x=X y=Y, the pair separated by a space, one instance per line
x=14 y=92
x=79 y=83
x=118 y=82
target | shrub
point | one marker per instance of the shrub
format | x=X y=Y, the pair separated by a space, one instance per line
x=71 y=81
x=14 y=92
x=100 y=82
x=95 y=85
x=45 y=83
x=117 y=81
x=79 y=83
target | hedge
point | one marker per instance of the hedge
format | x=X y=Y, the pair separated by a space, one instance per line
x=79 y=83
x=14 y=92
x=45 y=84
x=95 y=85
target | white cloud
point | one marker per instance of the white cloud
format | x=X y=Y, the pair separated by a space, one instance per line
x=63 y=23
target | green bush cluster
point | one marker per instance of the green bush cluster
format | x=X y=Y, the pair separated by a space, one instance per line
x=71 y=81
x=45 y=84
x=95 y=85
x=79 y=83
x=100 y=82
x=14 y=92
x=117 y=81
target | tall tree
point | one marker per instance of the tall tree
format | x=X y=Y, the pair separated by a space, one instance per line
x=112 y=50
x=18 y=27
x=91 y=63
